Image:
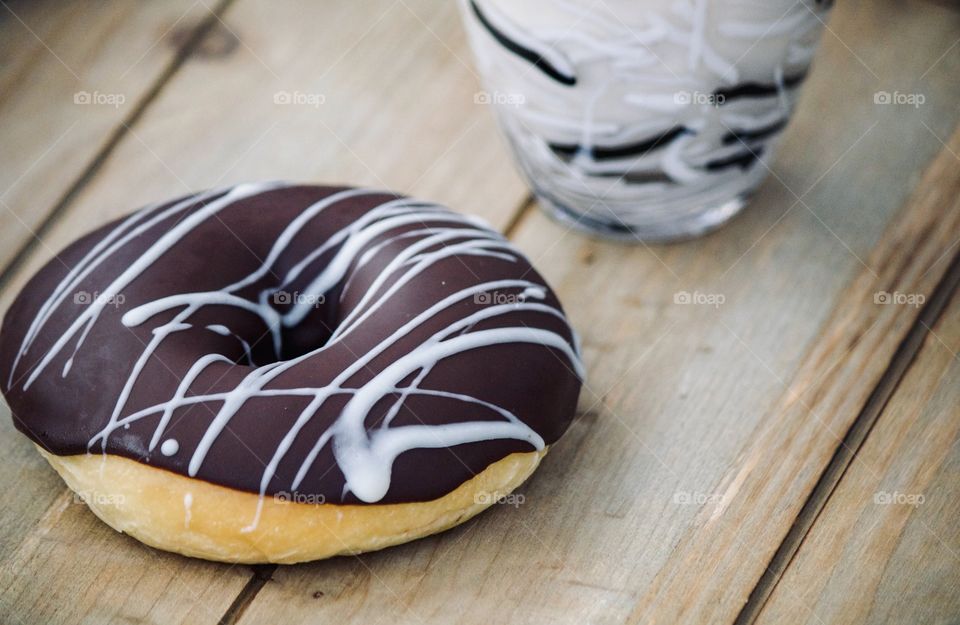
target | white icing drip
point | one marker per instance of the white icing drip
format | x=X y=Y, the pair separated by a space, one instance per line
x=187 y=509
x=195 y=370
x=169 y=447
x=334 y=272
x=365 y=458
x=286 y=237
x=355 y=318
x=452 y=329
x=193 y=301
x=368 y=255
x=225 y=331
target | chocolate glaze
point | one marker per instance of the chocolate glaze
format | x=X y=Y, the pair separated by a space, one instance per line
x=66 y=406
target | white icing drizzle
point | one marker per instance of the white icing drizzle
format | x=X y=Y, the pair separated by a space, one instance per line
x=365 y=457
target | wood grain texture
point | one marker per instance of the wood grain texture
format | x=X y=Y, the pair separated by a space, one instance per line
x=886 y=548
x=53 y=53
x=931 y=310
x=702 y=428
x=398 y=112
x=71 y=568
x=383 y=98
x=780 y=465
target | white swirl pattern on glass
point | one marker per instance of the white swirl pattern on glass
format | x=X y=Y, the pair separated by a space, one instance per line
x=632 y=112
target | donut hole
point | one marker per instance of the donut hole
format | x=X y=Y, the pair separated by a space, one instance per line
x=298 y=336
x=309 y=335
x=247 y=340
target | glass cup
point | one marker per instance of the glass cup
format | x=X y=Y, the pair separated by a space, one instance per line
x=643 y=119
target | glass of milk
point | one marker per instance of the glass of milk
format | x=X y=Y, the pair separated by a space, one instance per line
x=646 y=120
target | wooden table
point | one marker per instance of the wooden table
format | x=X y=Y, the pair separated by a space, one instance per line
x=788 y=456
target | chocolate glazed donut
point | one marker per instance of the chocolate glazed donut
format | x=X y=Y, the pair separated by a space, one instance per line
x=283 y=353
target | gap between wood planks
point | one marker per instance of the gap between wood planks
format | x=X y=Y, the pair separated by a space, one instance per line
x=262 y=573
x=100 y=158
x=529 y=203
x=853 y=440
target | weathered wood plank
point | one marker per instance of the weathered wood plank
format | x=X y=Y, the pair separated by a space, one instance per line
x=374 y=97
x=703 y=428
x=398 y=112
x=763 y=490
x=71 y=568
x=932 y=308
x=886 y=547
x=71 y=76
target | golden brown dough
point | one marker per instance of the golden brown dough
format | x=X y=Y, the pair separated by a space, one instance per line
x=204 y=520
